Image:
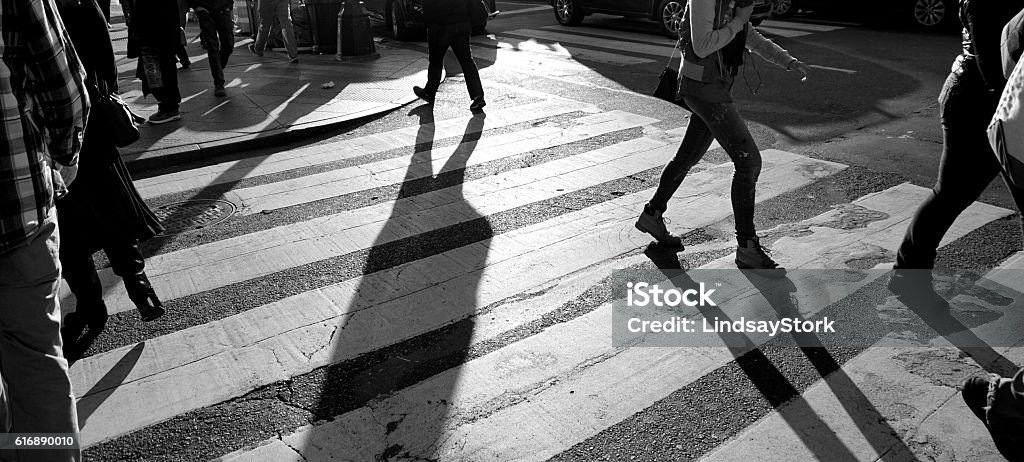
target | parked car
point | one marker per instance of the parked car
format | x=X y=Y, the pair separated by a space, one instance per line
x=925 y=14
x=665 y=12
x=405 y=17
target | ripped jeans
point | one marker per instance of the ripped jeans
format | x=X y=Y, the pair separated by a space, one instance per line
x=721 y=121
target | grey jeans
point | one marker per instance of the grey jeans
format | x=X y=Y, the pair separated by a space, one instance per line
x=36 y=392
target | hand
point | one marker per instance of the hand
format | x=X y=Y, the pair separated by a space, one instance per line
x=199 y=9
x=800 y=67
x=742 y=14
x=68 y=174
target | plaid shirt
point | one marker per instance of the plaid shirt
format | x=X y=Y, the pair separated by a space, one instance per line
x=43 y=109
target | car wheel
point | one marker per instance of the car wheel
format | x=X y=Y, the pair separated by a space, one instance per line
x=931 y=14
x=784 y=8
x=399 y=29
x=568 y=13
x=670 y=15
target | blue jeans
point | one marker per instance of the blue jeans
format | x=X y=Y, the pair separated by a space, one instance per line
x=36 y=394
x=967 y=167
x=721 y=121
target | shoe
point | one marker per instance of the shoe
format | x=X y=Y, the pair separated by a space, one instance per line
x=914 y=286
x=423 y=94
x=651 y=222
x=219 y=91
x=993 y=400
x=750 y=255
x=478 y=104
x=252 y=49
x=293 y=59
x=72 y=329
x=162 y=117
x=141 y=293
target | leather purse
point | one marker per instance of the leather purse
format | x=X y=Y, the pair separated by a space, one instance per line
x=668 y=82
x=118 y=116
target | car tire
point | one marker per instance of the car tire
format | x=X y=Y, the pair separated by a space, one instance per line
x=784 y=8
x=669 y=15
x=399 y=29
x=931 y=14
x=568 y=12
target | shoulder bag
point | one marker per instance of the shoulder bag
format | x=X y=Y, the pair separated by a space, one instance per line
x=118 y=116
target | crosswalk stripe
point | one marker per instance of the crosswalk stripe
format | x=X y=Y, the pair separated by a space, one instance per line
x=205 y=267
x=277 y=341
x=608 y=44
x=557 y=49
x=787 y=33
x=229 y=172
x=652 y=38
x=574 y=393
x=393 y=171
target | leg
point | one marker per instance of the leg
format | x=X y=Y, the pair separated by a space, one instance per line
x=32 y=362
x=437 y=46
x=284 y=16
x=226 y=32
x=208 y=30
x=460 y=46
x=268 y=11
x=695 y=144
x=729 y=128
x=168 y=95
x=126 y=260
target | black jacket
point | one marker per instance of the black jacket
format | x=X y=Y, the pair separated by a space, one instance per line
x=983 y=22
x=447 y=11
x=153 y=23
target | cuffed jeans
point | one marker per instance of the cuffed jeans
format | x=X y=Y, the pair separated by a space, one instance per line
x=440 y=37
x=711 y=121
x=217 y=29
x=269 y=9
x=37 y=389
x=966 y=168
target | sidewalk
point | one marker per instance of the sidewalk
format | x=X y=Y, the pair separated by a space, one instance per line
x=269 y=99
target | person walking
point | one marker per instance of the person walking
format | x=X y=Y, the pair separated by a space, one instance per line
x=966 y=104
x=154 y=37
x=217 y=29
x=713 y=37
x=182 y=52
x=280 y=9
x=102 y=210
x=449 y=25
x=42 y=121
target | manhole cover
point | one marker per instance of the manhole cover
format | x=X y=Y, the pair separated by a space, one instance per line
x=195 y=214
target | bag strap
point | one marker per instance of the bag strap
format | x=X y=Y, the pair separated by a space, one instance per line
x=673 y=54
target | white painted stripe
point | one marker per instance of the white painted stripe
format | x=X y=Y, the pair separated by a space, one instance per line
x=333 y=183
x=556 y=49
x=559 y=396
x=829 y=27
x=523 y=11
x=297 y=334
x=229 y=172
x=833 y=69
x=782 y=32
x=610 y=44
x=652 y=38
x=206 y=267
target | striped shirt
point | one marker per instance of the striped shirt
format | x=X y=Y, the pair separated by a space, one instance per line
x=43 y=109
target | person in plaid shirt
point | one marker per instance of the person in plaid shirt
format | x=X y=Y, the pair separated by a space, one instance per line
x=43 y=111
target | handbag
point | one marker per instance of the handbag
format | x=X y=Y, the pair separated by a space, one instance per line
x=668 y=82
x=1006 y=131
x=119 y=117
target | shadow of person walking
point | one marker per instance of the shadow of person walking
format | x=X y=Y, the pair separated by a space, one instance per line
x=423 y=368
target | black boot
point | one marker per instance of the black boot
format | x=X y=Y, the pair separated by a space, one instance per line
x=141 y=292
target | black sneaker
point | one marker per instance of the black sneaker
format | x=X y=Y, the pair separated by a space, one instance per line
x=219 y=91
x=995 y=401
x=478 y=104
x=252 y=49
x=750 y=255
x=914 y=287
x=162 y=117
x=423 y=94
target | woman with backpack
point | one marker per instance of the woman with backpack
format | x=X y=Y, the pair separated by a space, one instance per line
x=714 y=35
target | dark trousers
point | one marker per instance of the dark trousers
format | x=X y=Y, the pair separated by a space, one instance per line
x=217 y=30
x=168 y=94
x=105 y=8
x=440 y=37
x=711 y=121
x=966 y=168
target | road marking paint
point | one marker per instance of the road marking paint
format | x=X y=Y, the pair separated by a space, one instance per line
x=293 y=336
x=523 y=11
x=835 y=69
x=556 y=49
x=536 y=412
x=229 y=172
x=609 y=44
x=653 y=39
x=782 y=32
